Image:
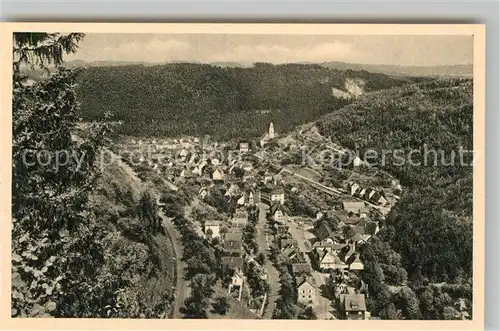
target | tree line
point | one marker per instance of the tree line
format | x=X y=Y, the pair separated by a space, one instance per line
x=427 y=237
x=163 y=100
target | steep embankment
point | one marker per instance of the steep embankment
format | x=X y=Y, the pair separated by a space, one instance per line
x=139 y=250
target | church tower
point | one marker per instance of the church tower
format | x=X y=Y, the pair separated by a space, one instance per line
x=271 y=130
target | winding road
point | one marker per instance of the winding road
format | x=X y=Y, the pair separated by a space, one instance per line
x=272 y=273
x=181 y=287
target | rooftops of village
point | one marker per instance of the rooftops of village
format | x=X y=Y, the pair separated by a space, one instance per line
x=355 y=207
x=334 y=246
x=324 y=231
x=354 y=303
x=288 y=242
x=278 y=206
x=272 y=189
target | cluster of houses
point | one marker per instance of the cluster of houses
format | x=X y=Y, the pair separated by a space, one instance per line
x=338 y=232
x=331 y=250
x=367 y=194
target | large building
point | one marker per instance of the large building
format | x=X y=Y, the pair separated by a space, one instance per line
x=271 y=195
x=306 y=292
x=270 y=134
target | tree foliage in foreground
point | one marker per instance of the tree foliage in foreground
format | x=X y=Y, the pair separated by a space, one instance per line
x=69 y=258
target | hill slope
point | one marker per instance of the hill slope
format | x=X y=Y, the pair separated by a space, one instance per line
x=430 y=229
x=137 y=254
x=165 y=99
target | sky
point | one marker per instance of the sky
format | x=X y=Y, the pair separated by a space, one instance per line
x=405 y=50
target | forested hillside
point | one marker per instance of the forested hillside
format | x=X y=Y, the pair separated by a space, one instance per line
x=200 y=99
x=429 y=231
x=85 y=242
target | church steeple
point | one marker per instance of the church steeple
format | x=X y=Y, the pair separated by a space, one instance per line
x=271 y=130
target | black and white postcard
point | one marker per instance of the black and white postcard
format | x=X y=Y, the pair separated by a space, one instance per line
x=328 y=173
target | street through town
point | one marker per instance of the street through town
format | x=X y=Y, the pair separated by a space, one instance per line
x=272 y=273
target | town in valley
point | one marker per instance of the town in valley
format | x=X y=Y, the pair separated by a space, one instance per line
x=227 y=176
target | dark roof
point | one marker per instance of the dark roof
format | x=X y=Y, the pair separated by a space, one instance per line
x=371 y=228
x=266 y=189
x=302 y=279
x=289 y=252
x=354 y=302
x=278 y=206
x=278 y=190
x=233 y=262
x=324 y=231
x=301 y=267
x=233 y=242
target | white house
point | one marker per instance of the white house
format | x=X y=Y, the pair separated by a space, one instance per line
x=356 y=264
x=217 y=174
x=278 y=194
x=354 y=188
x=382 y=201
x=241 y=201
x=306 y=292
x=237 y=282
x=244 y=147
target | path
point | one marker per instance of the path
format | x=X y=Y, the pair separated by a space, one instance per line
x=181 y=287
x=272 y=273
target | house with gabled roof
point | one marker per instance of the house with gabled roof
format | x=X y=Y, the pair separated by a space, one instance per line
x=279 y=212
x=202 y=193
x=239 y=219
x=306 y=291
x=238 y=279
x=326 y=235
x=354 y=188
x=331 y=261
x=233 y=190
x=353 y=306
x=356 y=264
x=272 y=194
x=218 y=175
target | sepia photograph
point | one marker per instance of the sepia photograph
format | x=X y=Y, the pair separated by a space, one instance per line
x=246 y=174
